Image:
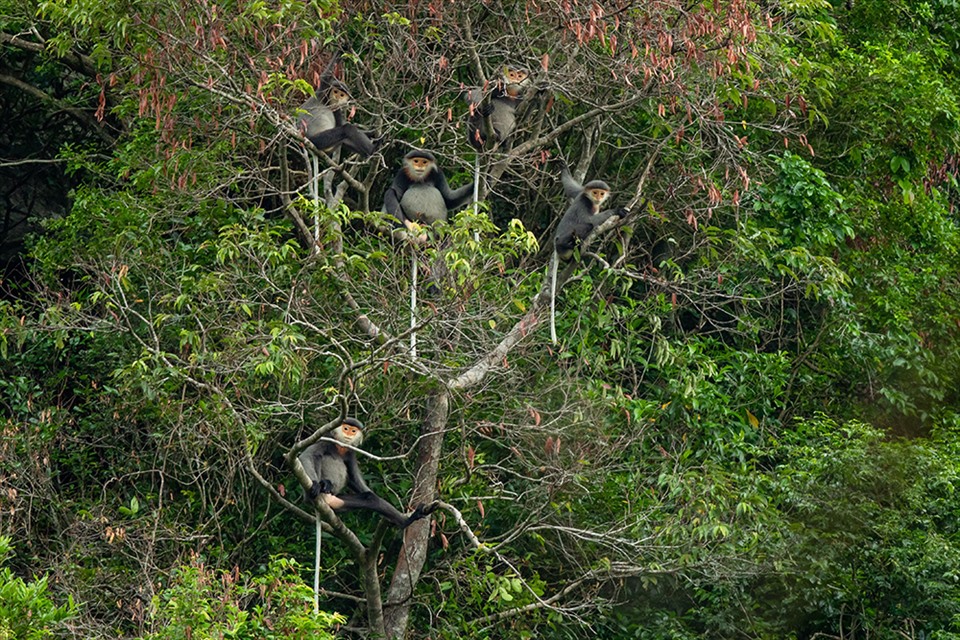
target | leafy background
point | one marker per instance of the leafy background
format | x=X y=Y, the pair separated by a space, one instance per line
x=748 y=429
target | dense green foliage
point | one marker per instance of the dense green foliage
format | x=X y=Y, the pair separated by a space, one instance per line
x=201 y=604
x=26 y=610
x=749 y=429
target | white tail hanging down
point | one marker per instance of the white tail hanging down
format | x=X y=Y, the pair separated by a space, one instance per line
x=414 y=268
x=554 y=263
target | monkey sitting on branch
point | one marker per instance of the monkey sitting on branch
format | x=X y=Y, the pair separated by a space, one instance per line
x=332 y=467
x=420 y=195
x=322 y=122
x=581 y=218
x=492 y=122
x=420 y=192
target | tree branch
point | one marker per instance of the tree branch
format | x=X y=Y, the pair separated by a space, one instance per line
x=78 y=114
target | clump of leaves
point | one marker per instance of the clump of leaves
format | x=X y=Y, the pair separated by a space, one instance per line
x=26 y=610
x=203 y=604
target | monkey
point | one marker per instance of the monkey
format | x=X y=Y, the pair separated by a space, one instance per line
x=497 y=119
x=581 y=218
x=321 y=119
x=494 y=121
x=420 y=192
x=583 y=215
x=333 y=467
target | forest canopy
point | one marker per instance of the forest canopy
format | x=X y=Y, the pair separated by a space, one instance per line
x=745 y=427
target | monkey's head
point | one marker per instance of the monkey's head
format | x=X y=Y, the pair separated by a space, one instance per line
x=515 y=80
x=350 y=432
x=597 y=191
x=418 y=164
x=337 y=96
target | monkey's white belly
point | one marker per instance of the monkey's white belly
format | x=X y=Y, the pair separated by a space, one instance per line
x=334 y=470
x=423 y=203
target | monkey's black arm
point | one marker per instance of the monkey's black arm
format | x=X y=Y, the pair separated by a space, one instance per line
x=453 y=199
x=603 y=216
x=391 y=199
x=346 y=134
x=328 y=138
x=357 y=141
x=309 y=459
x=589 y=223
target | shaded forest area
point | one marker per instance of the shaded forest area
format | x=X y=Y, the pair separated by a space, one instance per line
x=746 y=428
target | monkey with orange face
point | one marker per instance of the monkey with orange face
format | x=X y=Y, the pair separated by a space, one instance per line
x=420 y=192
x=583 y=215
x=578 y=222
x=333 y=467
x=322 y=122
x=493 y=122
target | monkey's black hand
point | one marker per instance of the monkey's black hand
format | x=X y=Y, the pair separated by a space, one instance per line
x=621 y=212
x=318 y=487
x=422 y=511
x=325 y=486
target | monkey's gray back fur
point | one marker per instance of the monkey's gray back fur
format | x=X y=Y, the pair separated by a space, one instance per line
x=423 y=203
x=504 y=117
x=317 y=119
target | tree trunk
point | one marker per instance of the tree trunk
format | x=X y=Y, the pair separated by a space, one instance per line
x=417 y=536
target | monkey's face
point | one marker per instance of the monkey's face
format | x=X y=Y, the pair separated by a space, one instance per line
x=417 y=169
x=515 y=80
x=598 y=196
x=338 y=97
x=349 y=434
x=515 y=76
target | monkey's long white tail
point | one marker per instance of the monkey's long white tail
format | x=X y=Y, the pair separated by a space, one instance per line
x=476 y=191
x=314 y=192
x=554 y=261
x=414 y=268
x=316 y=569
